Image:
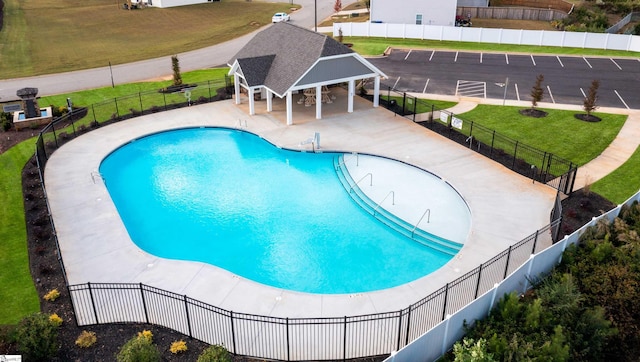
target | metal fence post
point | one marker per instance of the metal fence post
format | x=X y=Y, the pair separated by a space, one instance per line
x=535 y=242
x=415 y=108
x=493 y=138
x=186 y=309
x=478 y=283
x=506 y=268
x=444 y=307
x=515 y=152
x=399 y=329
x=93 y=304
x=209 y=86
x=140 y=98
x=344 y=342
x=408 y=325
x=93 y=110
x=288 y=355
x=233 y=334
x=144 y=304
x=164 y=99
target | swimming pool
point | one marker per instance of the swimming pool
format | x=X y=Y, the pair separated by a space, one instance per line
x=277 y=217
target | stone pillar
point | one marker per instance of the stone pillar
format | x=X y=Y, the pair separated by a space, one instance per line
x=29 y=102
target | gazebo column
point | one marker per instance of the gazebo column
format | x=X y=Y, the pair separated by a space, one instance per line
x=252 y=102
x=351 y=92
x=269 y=101
x=376 y=91
x=289 y=109
x=236 y=85
x=318 y=102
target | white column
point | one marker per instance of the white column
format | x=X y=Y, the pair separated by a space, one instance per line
x=269 y=101
x=236 y=84
x=350 y=96
x=289 y=109
x=318 y=102
x=252 y=102
x=376 y=91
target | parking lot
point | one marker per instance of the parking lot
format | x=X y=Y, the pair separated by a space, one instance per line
x=511 y=76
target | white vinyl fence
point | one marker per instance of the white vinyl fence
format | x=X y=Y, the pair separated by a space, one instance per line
x=437 y=341
x=486 y=35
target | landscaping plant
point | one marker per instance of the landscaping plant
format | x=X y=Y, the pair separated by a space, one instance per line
x=214 y=353
x=37 y=338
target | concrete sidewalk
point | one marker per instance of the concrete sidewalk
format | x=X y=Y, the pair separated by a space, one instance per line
x=616 y=154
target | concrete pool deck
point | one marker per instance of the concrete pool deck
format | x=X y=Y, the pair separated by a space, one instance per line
x=95 y=246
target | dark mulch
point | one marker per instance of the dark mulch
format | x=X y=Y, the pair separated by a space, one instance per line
x=532 y=112
x=587 y=117
x=580 y=208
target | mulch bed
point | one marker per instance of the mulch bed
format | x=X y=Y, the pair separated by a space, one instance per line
x=47 y=273
x=532 y=112
x=587 y=117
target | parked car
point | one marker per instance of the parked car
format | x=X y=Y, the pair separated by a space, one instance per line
x=278 y=17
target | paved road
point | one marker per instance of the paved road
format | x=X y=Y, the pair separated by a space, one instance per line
x=566 y=78
x=213 y=56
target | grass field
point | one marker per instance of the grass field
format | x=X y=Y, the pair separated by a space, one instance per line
x=52 y=36
x=619 y=185
x=18 y=294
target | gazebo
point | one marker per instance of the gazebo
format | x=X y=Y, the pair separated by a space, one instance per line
x=285 y=59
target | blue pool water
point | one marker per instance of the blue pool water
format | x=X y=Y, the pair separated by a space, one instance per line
x=43 y=113
x=278 y=217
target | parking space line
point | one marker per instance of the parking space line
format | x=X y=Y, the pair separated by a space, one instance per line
x=559 y=61
x=533 y=60
x=583 y=93
x=614 y=62
x=622 y=100
x=456 y=58
x=425 y=86
x=506 y=58
x=517 y=92
x=409 y=53
x=586 y=61
x=551 y=95
x=432 y=53
x=480 y=58
x=396 y=83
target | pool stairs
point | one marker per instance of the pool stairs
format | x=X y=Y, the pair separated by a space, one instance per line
x=411 y=231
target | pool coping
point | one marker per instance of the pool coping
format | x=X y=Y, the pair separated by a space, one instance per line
x=505 y=207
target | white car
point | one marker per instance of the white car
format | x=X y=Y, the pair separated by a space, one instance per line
x=278 y=17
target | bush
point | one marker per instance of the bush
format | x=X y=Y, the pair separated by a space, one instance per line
x=55 y=320
x=214 y=353
x=37 y=338
x=178 y=347
x=139 y=349
x=52 y=295
x=86 y=339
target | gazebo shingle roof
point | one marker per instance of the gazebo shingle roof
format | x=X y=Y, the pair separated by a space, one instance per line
x=269 y=58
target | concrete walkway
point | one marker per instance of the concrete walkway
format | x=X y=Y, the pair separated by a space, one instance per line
x=616 y=154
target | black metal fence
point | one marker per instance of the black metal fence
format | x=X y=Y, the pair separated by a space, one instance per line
x=298 y=339
x=528 y=161
x=339 y=338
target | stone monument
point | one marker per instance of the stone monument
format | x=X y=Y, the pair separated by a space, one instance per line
x=29 y=102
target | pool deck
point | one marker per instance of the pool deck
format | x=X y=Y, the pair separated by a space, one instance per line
x=96 y=247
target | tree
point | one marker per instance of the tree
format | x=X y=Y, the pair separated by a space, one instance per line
x=175 y=64
x=537 y=92
x=589 y=104
x=337 y=6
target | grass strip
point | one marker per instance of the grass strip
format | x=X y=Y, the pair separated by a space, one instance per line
x=622 y=183
x=18 y=294
x=559 y=133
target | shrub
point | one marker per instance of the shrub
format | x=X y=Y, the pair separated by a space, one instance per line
x=37 y=337
x=55 y=320
x=52 y=295
x=214 y=353
x=178 y=347
x=139 y=349
x=86 y=339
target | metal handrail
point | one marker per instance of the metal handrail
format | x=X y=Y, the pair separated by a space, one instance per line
x=393 y=201
x=427 y=211
x=363 y=177
x=344 y=160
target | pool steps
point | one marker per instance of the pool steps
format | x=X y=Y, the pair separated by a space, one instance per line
x=351 y=187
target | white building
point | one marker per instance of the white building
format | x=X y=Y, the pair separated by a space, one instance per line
x=420 y=12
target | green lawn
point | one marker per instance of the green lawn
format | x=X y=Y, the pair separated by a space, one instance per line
x=424 y=105
x=622 y=183
x=18 y=294
x=558 y=133
x=53 y=36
